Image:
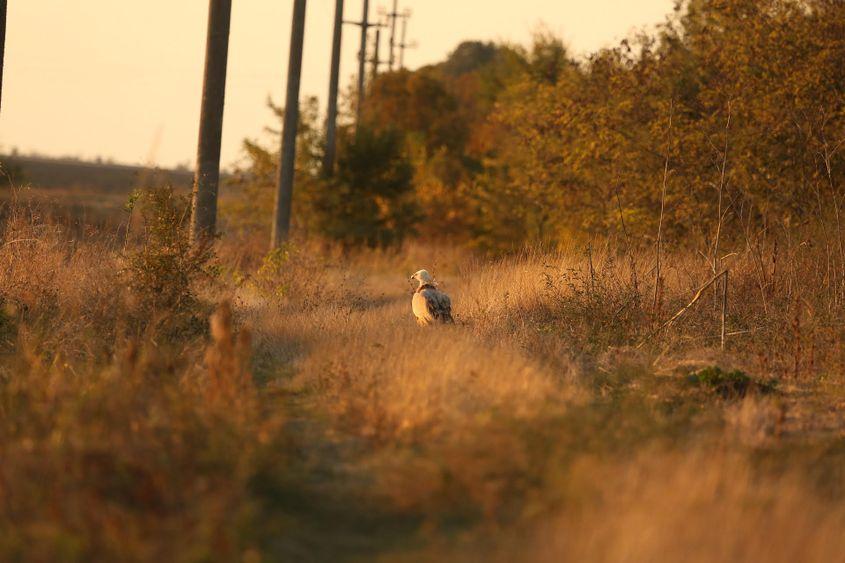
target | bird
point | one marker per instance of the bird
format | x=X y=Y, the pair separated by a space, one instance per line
x=430 y=305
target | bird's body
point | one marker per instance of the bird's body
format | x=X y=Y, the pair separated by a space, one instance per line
x=430 y=305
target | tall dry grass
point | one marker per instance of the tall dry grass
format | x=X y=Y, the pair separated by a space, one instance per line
x=693 y=506
x=125 y=433
x=314 y=420
x=555 y=366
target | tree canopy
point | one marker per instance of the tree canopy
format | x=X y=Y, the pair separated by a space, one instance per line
x=741 y=103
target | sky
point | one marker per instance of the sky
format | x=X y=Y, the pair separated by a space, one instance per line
x=122 y=79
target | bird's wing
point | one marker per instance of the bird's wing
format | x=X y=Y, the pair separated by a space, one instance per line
x=438 y=304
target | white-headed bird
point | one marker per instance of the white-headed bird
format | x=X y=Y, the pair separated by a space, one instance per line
x=430 y=305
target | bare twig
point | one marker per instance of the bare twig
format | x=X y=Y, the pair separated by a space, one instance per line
x=828 y=158
x=724 y=309
x=663 y=207
x=722 y=175
x=631 y=261
x=686 y=308
x=16 y=241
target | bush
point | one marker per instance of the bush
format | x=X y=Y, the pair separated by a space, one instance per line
x=596 y=308
x=163 y=272
x=370 y=200
x=126 y=464
x=727 y=384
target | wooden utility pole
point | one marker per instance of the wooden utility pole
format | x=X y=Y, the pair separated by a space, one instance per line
x=376 y=61
x=393 y=15
x=2 y=43
x=365 y=26
x=284 y=193
x=403 y=44
x=207 y=178
x=334 y=81
x=362 y=57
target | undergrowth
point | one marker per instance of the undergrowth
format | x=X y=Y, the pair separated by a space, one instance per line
x=310 y=418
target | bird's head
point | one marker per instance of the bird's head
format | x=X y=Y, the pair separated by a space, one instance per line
x=422 y=277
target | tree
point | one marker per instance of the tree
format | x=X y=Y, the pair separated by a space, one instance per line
x=370 y=201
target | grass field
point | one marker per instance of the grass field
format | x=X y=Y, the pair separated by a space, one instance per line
x=312 y=420
x=80 y=193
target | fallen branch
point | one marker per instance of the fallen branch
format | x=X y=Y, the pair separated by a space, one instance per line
x=695 y=300
x=20 y=240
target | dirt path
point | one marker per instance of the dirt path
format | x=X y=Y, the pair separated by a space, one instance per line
x=323 y=500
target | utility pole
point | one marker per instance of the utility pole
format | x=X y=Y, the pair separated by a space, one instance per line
x=365 y=26
x=376 y=61
x=393 y=15
x=284 y=194
x=2 y=43
x=403 y=45
x=207 y=178
x=334 y=79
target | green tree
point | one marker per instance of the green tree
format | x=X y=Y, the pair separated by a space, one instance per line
x=249 y=210
x=370 y=200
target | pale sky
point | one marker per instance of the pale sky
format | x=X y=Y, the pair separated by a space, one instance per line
x=122 y=79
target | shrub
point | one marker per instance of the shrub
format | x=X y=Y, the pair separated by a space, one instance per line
x=118 y=462
x=595 y=308
x=728 y=385
x=163 y=271
x=370 y=201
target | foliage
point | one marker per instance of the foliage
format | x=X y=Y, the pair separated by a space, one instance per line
x=253 y=186
x=530 y=416
x=733 y=384
x=8 y=330
x=273 y=268
x=756 y=121
x=419 y=105
x=368 y=201
x=120 y=443
x=163 y=271
x=514 y=146
x=139 y=459
x=11 y=173
x=544 y=415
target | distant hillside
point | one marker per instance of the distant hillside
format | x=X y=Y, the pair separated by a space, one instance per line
x=78 y=192
x=68 y=174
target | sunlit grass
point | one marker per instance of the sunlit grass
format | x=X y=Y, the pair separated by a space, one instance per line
x=315 y=420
